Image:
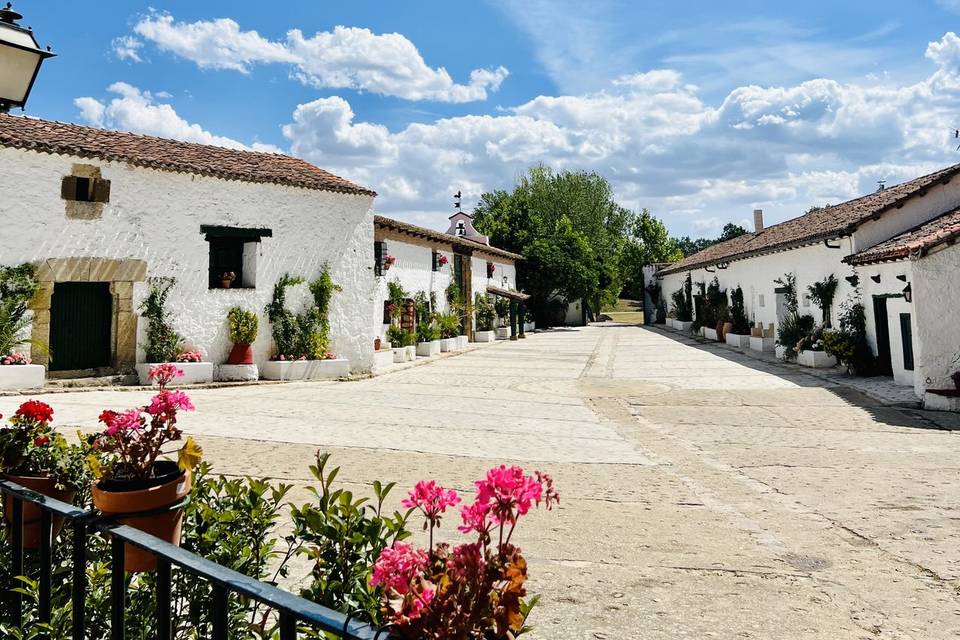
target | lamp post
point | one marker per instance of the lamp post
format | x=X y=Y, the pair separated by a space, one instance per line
x=20 y=60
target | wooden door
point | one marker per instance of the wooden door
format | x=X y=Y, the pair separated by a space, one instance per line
x=81 y=314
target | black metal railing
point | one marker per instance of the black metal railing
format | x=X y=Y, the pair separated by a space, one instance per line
x=291 y=610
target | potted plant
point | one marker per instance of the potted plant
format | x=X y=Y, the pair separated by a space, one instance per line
x=134 y=482
x=34 y=455
x=18 y=287
x=449 y=326
x=388 y=262
x=243 y=326
x=164 y=344
x=442 y=260
x=227 y=278
x=486 y=315
x=491 y=268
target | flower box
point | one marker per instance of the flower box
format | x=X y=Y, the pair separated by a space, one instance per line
x=462 y=342
x=384 y=358
x=758 y=343
x=237 y=372
x=484 y=336
x=682 y=325
x=448 y=344
x=402 y=354
x=816 y=359
x=193 y=372
x=741 y=341
x=529 y=326
x=22 y=376
x=503 y=333
x=306 y=369
x=710 y=334
x=428 y=349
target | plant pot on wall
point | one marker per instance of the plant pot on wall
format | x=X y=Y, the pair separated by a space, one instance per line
x=31 y=512
x=153 y=506
x=225 y=284
x=242 y=353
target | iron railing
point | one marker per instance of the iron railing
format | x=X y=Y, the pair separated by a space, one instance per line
x=291 y=610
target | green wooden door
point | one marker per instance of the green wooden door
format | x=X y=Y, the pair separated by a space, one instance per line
x=80 y=318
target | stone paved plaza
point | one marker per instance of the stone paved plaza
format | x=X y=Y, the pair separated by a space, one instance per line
x=705 y=494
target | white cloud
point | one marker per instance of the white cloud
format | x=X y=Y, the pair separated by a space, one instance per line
x=127 y=48
x=137 y=111
x=345 y=58
x=660 y=142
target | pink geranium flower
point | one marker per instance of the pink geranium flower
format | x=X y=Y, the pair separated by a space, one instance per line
x=398 y=567
x=168 y=402
x=162 y=374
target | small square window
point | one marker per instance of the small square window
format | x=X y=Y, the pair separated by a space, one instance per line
x=85 y=189
x=761 y=300
x=233 y=256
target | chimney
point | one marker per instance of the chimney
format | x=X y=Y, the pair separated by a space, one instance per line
x=757 y=220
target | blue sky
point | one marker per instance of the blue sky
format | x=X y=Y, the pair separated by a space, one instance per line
x=699 y=111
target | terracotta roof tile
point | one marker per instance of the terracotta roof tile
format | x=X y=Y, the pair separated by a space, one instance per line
x=438 y=236
x=945 y=228
x=820 y=224
x=46 y=136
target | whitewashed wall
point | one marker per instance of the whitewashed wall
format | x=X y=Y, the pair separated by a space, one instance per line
x=414 y=270
x=756 y=277
x=890 y=285
x=936 y=290
x=939 y=199
x=478 y=263
x=156 y=216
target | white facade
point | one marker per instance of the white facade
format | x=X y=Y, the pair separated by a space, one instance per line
x=935 y=282
x=936 y=292
x=413 y=269
x=156 y=216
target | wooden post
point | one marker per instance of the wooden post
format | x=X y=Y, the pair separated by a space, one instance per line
x=513 y=319
x=522 y=312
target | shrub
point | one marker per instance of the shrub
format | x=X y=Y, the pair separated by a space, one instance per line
x=822 y=293
x=738 y=313
x=343 y=535
x=18 y=287
x=243 y=325
x=681 y=307
x=486 y=314
x=848 y=344
x=448 y=324
x=163 y=343
x=502 y=307
x=399 y=337
x=793 y=331
x=305 y=335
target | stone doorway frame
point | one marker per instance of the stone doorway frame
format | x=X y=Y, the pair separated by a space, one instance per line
x=121 y=274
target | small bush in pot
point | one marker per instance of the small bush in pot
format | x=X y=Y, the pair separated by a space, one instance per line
x=449 y=324
x=34 y=455
x=486 y=314
x=133 y=481
x=243 y=326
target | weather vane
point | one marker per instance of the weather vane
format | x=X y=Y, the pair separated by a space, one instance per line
x=456 y=201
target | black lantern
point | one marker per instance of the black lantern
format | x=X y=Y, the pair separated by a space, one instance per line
x=908 y=293
x=20 y=60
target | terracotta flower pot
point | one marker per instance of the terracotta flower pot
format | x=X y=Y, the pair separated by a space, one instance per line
x=376 y=344
x=31 y=512
x=242 y=353
x=226 y=283
x=169 y=487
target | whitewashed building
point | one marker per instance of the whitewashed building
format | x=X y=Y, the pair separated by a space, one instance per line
x=846 y=240
x=101 y=211
x=411 y=255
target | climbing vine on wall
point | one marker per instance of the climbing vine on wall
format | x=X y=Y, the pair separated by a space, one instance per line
x=163 y=343
x=307 y=334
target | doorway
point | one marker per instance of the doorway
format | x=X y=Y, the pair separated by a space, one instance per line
x=881 y=321
x=81 y=315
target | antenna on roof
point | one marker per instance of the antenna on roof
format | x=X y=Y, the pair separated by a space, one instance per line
x=456 y=200
x=881 y=185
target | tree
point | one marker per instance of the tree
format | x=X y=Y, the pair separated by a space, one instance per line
x=689 y=246
x=571 y=231
x=649 y=242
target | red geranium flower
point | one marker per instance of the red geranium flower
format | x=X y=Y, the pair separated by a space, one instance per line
x=40 y=441
x=35 y=410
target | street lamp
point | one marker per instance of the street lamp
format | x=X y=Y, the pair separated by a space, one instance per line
x=20 y=60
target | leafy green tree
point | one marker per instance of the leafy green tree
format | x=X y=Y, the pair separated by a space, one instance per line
x=689 y=246
x=648 y=242
x=571 y=231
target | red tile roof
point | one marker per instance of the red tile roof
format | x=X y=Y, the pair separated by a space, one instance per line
x=46 y=136
x=945 y=228
x=819 y=224
x=438 y=236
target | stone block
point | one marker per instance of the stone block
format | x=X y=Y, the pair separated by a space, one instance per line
x=132 y=270
x=102 y=269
